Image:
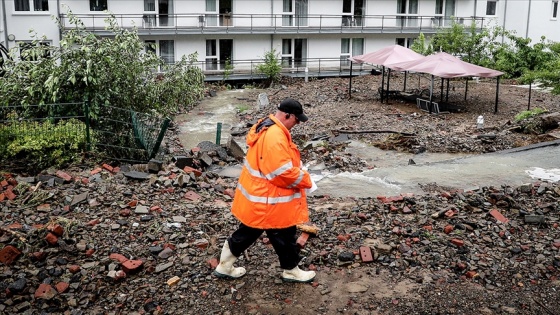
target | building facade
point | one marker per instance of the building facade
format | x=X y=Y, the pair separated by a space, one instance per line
x=305 y=33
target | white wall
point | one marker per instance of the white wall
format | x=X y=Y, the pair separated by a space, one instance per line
x=20 y=22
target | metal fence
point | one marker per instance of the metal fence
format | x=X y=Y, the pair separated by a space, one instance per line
x=113 y=133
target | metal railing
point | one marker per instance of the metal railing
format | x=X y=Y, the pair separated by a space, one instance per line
x=273 y=23
x=116 y=133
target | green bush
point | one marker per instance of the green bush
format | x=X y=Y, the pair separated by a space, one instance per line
x=271 y=67
x=529 y=113
x=41 y=145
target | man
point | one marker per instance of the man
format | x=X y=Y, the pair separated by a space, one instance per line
x=270 y=195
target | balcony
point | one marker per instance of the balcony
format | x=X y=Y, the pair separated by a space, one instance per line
x=192 y=24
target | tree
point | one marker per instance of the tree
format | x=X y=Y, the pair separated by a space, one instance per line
x=115 y=70
x=271 y=67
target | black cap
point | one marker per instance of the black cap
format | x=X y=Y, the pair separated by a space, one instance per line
x=292 y=106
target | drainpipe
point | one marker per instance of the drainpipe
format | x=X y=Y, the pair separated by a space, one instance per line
x=60 y=27
x=504 y=21
x=475 y=3
x=5 y=24
x=528 y=15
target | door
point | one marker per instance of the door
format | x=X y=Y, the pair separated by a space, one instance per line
x=218 y=51
x=352 y=12
x=294 y=12
x=158 y=13
x=294 y=52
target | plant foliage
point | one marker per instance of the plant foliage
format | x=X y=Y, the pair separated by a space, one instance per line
x=271 y=67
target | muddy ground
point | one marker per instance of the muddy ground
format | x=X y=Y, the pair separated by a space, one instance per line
x=493 y=250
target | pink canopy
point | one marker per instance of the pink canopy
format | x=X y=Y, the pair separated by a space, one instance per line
x=387 y=55
x=446 y=66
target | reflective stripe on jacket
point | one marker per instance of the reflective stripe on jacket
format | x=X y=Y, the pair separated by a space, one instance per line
x=270 y=193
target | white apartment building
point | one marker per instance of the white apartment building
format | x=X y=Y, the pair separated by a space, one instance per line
x=306 y=33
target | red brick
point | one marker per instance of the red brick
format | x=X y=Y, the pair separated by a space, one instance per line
x=131 y=266
x=9 y=254
x=15 y=226
x=44 y=207
x=189 y=169
x=61 y=287
x=556 y=244
x=213 y=263
x=302 y=239
x=39 y=256
x=118 y=257
x=125 y=212
x=266 y=241
x=446 y=195
x=63 y=175
x=95 y=171
x=4 y=183
x=56 y=229
x=457 y=242
x=45 y=291
x=51 y=238
x=74 y=269
x=498 y=216
x=10 y=194
x=2 y=197
x=133 y=203
x=365 y=253
x=93 y=222
x=85 y=181
x=406 y=210
x=90 y=252
x=156 y=209
x=108 y=167
x=427 y=227
x=343 y=237
x=230 y=192
x=448 y=229
x=471 y=274
x=191 y=195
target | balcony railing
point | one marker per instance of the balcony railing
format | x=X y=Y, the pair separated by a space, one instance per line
x=275 y=23
x=247 y=68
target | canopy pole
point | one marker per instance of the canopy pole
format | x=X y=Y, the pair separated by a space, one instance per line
x=529 y=101
x=497 y=92
x=447 y=93
x=441 y=91
x=350 y=86
x=388 y=80
x=431 y=93
x=382 y=82
x=466 y=87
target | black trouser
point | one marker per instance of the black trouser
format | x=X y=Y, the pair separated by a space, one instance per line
x=283 y=241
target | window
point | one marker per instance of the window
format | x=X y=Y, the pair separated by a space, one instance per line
x=555 y=9
x=294 y=10
x=352 y=12
x=407 y=11
x=405 y=42
x=491 y=7
x=350 y=47
x=167 y=51
x=30 y=52
x=25 y=5
x=97 y=5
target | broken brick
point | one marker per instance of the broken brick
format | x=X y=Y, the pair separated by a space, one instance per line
x=10 y=194
x=343 y=237
x=213 y=263
x=56 y=229
x=498 y=216
x=191 y=195
x=302 y=239
x=448 y=229
x=108 y=167
x=61 y=287
x=365 y=254
x=45 y=291
x=39 y=256
x=74 y=269
x=189 y=169
x=457 y=242
x=64 y=176
x=9 y=254
x=90 y=252
x=173 y=281
x=131 y=266
x=51 y=238
x=471 y=274
x=118 y=257
x=95 y=171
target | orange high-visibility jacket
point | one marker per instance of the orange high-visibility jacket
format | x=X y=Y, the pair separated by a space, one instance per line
x=270 y=193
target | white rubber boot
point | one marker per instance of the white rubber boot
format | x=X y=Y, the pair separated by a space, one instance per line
x=225 y=268
x=298 y=275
